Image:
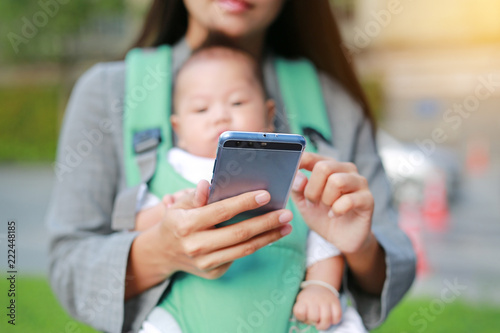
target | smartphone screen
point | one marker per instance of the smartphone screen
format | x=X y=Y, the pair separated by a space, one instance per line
x=248 y=161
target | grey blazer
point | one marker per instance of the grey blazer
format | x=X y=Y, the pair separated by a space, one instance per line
x=88 y=260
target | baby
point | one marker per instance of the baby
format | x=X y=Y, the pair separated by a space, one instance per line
x=220 y=89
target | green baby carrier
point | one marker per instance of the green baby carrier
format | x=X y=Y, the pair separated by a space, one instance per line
x=258 y=291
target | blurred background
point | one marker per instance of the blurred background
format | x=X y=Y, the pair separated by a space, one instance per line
x=431 y=70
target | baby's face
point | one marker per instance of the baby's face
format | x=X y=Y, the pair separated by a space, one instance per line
x=217 y=95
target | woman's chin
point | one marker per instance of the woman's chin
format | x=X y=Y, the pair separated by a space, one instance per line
x=233 y=28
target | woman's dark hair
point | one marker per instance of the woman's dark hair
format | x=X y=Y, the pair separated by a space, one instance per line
x=303 y=29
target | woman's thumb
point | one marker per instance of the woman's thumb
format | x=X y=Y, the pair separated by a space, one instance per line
x=201 y=193
x=298 y=186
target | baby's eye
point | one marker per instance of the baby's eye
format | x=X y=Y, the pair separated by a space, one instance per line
x=238 y=103
x=201 y=110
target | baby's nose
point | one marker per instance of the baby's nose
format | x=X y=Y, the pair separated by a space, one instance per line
x=222 y=113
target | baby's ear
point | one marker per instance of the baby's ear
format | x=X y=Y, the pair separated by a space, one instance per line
x=174 y=120
x=271 y=110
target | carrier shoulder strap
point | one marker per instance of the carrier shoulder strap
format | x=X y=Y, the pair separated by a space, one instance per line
x=146 y=127
x=146 y=122
x=303 y=99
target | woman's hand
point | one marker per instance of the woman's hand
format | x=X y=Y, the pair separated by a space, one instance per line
x=187 y=240
x=206 y=251
x=335 y=202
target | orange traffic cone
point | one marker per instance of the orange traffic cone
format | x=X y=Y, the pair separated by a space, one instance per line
x=435 y=204
x=410 y=221
x=478 y=157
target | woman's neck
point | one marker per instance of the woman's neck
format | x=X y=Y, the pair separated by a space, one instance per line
x=195 y=36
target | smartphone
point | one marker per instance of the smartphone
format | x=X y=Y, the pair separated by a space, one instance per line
x=249 y=161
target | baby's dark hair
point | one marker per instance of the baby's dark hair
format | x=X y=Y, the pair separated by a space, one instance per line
x=217 y=46
x=215 y=41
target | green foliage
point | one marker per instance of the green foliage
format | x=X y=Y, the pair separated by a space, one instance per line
x=29 y=125
x=34 y=30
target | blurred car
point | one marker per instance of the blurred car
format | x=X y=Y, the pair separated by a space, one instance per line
x=409 y=169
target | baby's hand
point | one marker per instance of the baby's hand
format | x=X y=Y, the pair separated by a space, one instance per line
x=188 y=198
x=148 y=217
x=181 y=196
x=316 y=305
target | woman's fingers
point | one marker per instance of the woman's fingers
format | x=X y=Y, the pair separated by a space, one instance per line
x=309 y=160
x=341 y=183
x=360 y=200
x=330 y=180
x=206 y=241
x=215 y=259
x=207 y=251
x=320 y=175
x=210 y=215
x=215 y=273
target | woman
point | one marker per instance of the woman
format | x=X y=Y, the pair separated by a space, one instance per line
x=112 y=280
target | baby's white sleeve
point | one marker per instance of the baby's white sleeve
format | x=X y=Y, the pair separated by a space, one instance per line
x=319 y=249
x=145 y=199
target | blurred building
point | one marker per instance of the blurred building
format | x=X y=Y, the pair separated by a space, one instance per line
x=437 y=63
